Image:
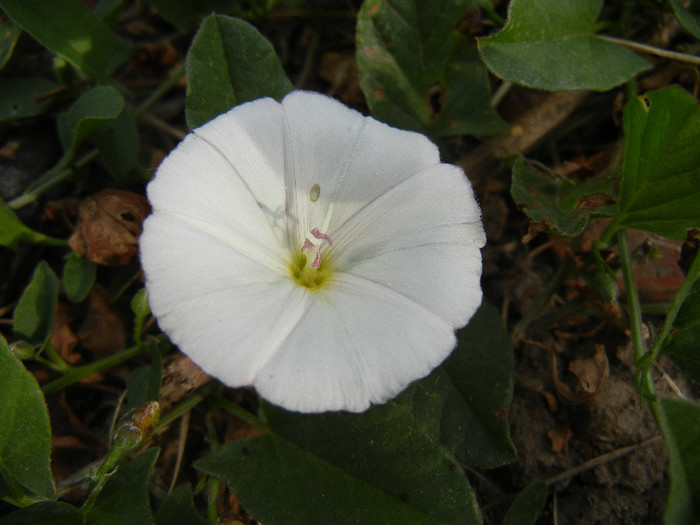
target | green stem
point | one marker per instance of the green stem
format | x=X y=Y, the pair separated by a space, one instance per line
x=644 y=48
x=160 y=92
x=242 y=414
x=33 y=195
x=634 y=310
x=188 y=404
x=554 y=283
x=81 y=372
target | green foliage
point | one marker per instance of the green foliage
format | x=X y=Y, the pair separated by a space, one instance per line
x=9 y=34
x=688 y=13
x=185 y=15
x=92 y=108
x=562 y=205
x=528 y=505
x=551 y=45
x=680 y=423
x=419 y=72
x=45 y=513
x=178 y=508
x=13 y=232
x=683 y=343
x=143 y=384
x=124 y=498
x=70 y=30
x=25 y=432
x=379 y=466
x=660 y=185
x=79 y=275
x=118 y=142
x=229 y=63
x=463 y=403
x=419 y=68
x=35 y=311
x=24 y=97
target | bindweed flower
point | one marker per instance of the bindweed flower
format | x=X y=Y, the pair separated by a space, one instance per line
x=319 y=255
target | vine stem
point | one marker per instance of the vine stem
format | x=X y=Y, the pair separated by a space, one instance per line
x=645 y=48
x=81 y=372
x=634 y=311
x=33 y=195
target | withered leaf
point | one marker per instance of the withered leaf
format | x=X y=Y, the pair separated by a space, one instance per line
x=109 y=226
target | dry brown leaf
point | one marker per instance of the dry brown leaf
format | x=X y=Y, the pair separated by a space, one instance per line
x=560 y=438
x=181 y=377
x=63 y=338
x=109 y=226
x=592 y=373
x=102 y=331
x=340 y=71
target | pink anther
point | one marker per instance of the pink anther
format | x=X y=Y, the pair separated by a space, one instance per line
x=316 y=233
x=308 y=245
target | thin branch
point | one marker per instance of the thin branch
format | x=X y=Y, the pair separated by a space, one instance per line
x=644 y=48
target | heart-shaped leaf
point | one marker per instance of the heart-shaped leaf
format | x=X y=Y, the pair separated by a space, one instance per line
x=72 y=31
x=25 y=432
x=463 y=404
x=34 y=313
x=560 y=204
x=229 y=63
x=680 y=423
x=551 y=44
x=376 y=467
x=419 y=72
x=660 y=186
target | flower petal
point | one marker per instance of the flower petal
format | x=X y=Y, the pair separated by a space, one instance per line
x=198 y=185
x=210 y=300
x=251 y=138
x=353 y=159
x=358 y=344
x=422 y=239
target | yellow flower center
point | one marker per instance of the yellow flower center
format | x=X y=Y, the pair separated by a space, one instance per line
x=304 y=274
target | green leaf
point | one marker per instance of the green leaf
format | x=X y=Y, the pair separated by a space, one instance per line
x=563 y=205
x=124 y=498
x=69 y=29
x=79 y=275
x=143 y=384
x=178 y=508
x=93 y=108
x=680 y=423
x=25 y=432
x=528 y=505
x=229 y=63
x=13 y=232
x=24 y=97
x=9 y=34
x=45 y=513
x=141 y=309
x=683 y=344
x=660 y=186
x=118 y=141
x=551 y=44
x=376 y=467
x=186 y=14
x=34 y=313
x=688 y=16
x=419 y=72
x=463 y=403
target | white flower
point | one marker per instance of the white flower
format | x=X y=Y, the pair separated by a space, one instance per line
x=321 y=256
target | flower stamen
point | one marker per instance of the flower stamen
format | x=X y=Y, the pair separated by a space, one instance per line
x=314 y=243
